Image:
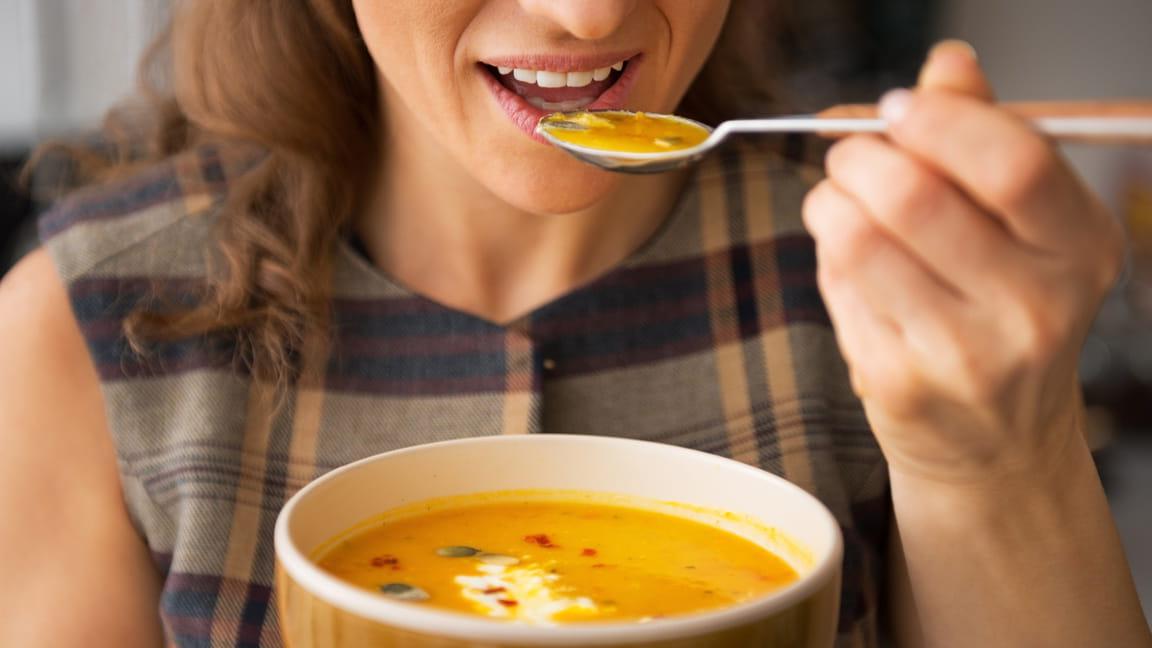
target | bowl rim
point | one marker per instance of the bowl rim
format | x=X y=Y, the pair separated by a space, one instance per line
x=457 y=625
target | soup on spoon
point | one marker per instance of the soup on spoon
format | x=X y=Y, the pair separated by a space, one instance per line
x=623 y=131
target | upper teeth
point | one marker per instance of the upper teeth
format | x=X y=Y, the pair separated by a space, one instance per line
x=546 y=79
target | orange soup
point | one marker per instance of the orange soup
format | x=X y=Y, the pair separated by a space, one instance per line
x=545 y=562
x=624 y=131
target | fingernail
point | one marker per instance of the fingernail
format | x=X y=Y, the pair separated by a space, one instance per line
x=955 y=46
x=895 y=105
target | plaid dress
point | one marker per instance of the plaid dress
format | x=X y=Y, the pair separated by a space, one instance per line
x=712 y=336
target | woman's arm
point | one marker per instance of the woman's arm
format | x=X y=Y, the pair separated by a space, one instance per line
x=963 y=263
x=1032 y=561
x=75 y=571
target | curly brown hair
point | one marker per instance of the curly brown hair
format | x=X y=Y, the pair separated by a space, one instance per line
x=295 y=81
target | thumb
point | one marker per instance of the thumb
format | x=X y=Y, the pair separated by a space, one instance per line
x=953 y=66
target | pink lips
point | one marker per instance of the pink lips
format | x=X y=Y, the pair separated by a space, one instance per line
x=525 y=116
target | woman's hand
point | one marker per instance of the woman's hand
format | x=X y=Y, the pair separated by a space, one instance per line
x=962 y=262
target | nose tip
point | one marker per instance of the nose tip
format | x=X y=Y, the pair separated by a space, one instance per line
x=584 y=19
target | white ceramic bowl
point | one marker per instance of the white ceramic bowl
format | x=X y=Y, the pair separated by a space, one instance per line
x=319 y=610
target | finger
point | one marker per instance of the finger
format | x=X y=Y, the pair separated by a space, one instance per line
x=883 y=373
x=996 y=158
x=885 y=354
x=953 y=66
x=854 y=252
x=946 y=232
x=870 y=343
x=849 y=111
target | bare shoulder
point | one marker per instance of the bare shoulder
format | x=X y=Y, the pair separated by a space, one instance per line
x=46 y=371
x=59 y=481
x=51 y=409
x=37 y=323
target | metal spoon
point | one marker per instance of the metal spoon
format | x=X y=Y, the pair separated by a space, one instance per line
x=1127 y=122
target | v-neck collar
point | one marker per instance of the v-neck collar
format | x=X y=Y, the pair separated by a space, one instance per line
x=364 y=279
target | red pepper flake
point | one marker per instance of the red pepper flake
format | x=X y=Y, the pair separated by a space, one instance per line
x=540 y=539
x=386 y=561
x=588 y=552
x=495 y=590
x=507 y=603
x=599 y=566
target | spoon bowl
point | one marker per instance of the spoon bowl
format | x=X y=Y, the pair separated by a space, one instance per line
x=628 y=161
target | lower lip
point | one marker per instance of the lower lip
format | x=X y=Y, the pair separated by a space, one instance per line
x=525 y=116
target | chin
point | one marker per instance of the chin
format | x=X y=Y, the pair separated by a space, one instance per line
x=550 y=184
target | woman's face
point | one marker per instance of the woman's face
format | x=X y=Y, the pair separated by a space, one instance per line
x=472 y=77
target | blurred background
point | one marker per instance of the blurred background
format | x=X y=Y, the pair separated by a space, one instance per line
x=63 y=63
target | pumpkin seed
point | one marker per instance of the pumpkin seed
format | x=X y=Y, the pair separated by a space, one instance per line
x=564 y=124
x=457 y=552
x=497 y=559
x=404 y=592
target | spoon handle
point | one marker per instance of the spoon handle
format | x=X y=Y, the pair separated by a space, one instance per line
x=1097 y=122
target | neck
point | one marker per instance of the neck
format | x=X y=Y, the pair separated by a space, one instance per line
x=430 y=225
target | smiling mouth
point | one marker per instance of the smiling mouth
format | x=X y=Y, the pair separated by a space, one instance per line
x=557 y=91
x=528 y=88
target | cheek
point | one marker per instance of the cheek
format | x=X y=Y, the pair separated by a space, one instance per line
x=695 y=28
x=372 y=18
x=698 y=23
x=411 y=43
x=377 y=21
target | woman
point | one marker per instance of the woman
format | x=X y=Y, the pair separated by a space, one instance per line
x=352 y=243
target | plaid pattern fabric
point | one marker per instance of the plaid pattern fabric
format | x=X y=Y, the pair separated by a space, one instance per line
x=713 y=336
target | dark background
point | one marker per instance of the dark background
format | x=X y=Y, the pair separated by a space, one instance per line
x=15 y=209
